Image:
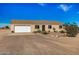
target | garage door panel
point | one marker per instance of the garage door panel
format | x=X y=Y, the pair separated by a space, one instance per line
x=22 y=28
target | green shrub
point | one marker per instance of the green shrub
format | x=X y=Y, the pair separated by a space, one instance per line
x=60 y=26
x=62 y=31
x=71 y=29
x=55 y=31
x=44 y=32
x=7 y=27
x=38 y=31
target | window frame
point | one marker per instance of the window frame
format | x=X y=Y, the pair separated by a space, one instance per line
x=49 y=26
x=37 y=26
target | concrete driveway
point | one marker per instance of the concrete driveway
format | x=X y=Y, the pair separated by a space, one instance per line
x=38 y=45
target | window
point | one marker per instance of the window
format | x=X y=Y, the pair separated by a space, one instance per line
x=60 y=26
x=36 y=26
x=49 y=26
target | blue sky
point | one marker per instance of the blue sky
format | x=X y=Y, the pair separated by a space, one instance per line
x=61 y=12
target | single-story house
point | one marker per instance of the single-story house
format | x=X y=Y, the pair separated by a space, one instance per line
x=34 y=25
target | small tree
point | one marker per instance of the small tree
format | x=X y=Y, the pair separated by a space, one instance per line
x=7 y=27
x=71 y=29
x=60 y=26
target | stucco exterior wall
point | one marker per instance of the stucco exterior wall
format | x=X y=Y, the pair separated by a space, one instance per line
x=33 y=27
x=53 y=26
x=12 y=27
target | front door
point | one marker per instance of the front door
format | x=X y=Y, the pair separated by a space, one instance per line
x=43 y=27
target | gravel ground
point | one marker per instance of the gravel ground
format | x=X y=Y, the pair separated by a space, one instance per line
x=38 y=45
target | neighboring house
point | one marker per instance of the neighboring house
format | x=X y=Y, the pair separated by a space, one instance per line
x=34 y=25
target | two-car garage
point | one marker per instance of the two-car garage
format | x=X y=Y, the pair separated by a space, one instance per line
x=22 y=29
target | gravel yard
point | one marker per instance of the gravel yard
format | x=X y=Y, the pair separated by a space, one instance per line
x=38 y=45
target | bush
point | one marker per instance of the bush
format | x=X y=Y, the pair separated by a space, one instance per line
x=55 y=31
x=12 y=31
x=38 y=31
x=44 y=32
x=62 y=31
x=78 y=29
x=71 y=29
x=7 y=27
x=60 y=26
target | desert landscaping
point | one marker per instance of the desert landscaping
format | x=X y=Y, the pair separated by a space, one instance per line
x=37 y=44
x=39 y=29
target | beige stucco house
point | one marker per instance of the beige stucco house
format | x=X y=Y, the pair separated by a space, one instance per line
x=34 y=25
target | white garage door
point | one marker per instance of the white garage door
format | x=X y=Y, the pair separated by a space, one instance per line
x=22 y=28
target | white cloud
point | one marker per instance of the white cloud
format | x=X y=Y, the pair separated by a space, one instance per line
x=41 y=4
x=65 y=7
